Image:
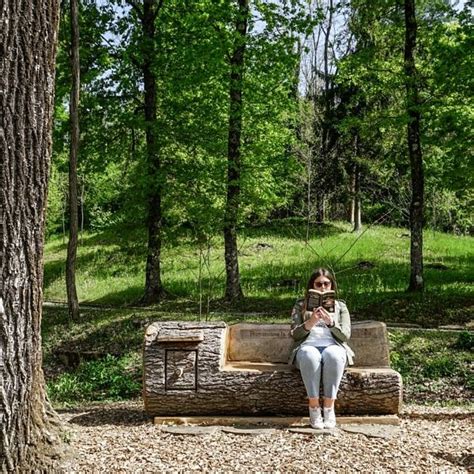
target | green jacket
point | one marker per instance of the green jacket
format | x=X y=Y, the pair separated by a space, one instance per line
x=341 y=330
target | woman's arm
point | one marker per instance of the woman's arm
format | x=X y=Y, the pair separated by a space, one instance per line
x=298 y=330
x=342 y=328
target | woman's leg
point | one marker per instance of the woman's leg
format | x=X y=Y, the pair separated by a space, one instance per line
x=308 y=360
x=334 y=360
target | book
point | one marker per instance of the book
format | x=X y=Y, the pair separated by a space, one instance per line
x=325 y=299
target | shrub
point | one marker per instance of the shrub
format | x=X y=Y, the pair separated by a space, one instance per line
x=465 y=341
x=109 y=378
x=443 y=365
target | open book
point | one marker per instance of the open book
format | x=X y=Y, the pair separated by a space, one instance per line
x=326 y=299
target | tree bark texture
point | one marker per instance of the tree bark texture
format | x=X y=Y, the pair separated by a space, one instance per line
x=72 y=300
x=188 y=371
x=28 y=38
x=153 y=285
x=233 y=289
x=414 y=150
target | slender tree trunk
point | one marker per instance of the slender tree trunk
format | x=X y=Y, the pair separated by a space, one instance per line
x=414 y=151
x=72 y=300
x=352 y=186
x=308 y=197
x=320 y=208
x=153 y=285
x=294 y=91
x=356 y=197
x=233 y=288
x=357 y=202
x=28 y=38
x=327 y=85
x=323 y=158
x=81 y=201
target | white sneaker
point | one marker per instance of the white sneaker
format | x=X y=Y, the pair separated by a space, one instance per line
x=329 y=418
x=315 y=418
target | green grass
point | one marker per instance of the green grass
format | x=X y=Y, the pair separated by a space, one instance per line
x=110 y=275
x=111 y=266
x=436 y=366
x=110 y=378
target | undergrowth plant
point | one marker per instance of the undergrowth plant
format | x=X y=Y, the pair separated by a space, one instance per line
x=110 y=378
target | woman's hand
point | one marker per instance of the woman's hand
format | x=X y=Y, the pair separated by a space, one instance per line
x=312 y=320
x=315 y=317
x=325 y=316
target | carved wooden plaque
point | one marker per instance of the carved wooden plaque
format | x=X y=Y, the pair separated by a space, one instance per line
x=180 y=369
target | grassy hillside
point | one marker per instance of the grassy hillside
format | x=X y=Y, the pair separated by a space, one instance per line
x=372 y=271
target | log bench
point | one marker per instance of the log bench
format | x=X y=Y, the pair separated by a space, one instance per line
x=192 y=369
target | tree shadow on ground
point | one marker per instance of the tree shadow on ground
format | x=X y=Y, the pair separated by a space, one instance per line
x=371 y=293
x=292 y=229
x=53 y=270
x=465 y=460
x=122 y=235
x=125 y=298
x=121 y=416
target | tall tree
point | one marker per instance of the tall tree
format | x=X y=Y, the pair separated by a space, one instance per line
x=233 y=287
x=320 y=74
x=28 y=38
x=414 y=150
x=375 y=68
x=323 y=157
x=72 y=300
x=147 y=15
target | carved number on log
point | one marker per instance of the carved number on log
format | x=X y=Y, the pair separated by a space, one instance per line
x=181 y=369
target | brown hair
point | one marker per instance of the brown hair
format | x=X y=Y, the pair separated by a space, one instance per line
x=317 y=273
x=321 y=272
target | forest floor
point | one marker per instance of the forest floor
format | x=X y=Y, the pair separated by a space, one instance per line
x=120 y=438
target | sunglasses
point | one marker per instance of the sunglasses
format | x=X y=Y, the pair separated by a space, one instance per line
x=320 y=284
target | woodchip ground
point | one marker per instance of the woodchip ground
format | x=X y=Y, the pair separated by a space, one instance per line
x=119 y=438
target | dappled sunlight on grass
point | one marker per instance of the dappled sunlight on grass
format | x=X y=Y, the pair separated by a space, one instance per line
x=430 y=362
x=275 y=262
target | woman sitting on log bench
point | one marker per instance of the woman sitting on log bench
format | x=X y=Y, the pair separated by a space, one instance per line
x=320 y=327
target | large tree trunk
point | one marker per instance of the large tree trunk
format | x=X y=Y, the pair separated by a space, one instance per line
x=28 y=38
x=414 y=150
x=233 y=288
x=72 y=300
x=153 y=285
